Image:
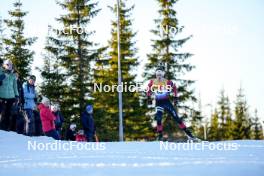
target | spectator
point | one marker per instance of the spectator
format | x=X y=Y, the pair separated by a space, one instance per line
x=20 y=123
x=88 y=123
x=47 y=119
x=8 y=94
x=17 y=113
x=80 y=137
x=14 y=116
x=38 y=126
x=70 y=134
x=20 y=90
x=59 y=118
x=29 y=95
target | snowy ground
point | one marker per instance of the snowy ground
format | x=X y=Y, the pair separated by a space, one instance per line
x=17 y=157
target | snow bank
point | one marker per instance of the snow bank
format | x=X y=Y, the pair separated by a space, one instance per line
x=43 y=156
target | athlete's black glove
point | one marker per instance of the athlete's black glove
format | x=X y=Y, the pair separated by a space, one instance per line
x=175 y=101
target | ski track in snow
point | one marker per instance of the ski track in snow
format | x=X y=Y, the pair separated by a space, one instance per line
x=128 y=158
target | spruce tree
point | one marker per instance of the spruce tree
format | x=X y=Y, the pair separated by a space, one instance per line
x=242 y=125
x=17 y=44
x=257 y=129
x=196 y=120
x=77 y=51
x=229 y=124
x=136 y=124
x=225 y=117
x=213 y=132
x=166 y=49
x=53 y=78
x=1 y=40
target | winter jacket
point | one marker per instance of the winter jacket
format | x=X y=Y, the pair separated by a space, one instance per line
x=88 y=123
x=161 y=89
x=20 y=93
x=80 y=138
x=29 y=96
x=59 y=119
x=70 y=135
x=8 y=89
x=47 y=118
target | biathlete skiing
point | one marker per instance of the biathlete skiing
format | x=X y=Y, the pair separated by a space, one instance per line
x=162 y=88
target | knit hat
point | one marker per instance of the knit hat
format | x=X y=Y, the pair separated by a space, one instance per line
x=9 y=64
x=89 y=108
x=160 y=70
x=160 y=67
x=73 y=126
x=32 y=77
x=45 y=101
x=81 y=132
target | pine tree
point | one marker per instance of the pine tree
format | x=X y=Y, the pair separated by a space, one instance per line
x=242 y=120
x=17 y=44
x=1 y=40
x=229 y=125
x=257 y=130
x=196 y=120
x=53 y=79
x=136 y=124
x=213 y=132
x=77 y=52
x=226 y=123
x=166 y=50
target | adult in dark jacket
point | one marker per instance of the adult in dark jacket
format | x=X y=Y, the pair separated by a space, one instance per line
x=59 y=117
x=17 y=109
x=38 y=125
x=88 y=123
x=20 y=89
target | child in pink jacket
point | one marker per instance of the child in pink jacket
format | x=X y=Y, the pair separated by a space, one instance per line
x=47 y=119
x=80 y=137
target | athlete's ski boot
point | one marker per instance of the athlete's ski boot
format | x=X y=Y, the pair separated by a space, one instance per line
x=193 y=139
x=160 y=137
x=159 y=132
x=190 y=136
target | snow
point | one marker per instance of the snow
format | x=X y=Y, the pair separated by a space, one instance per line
x=17 y=157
